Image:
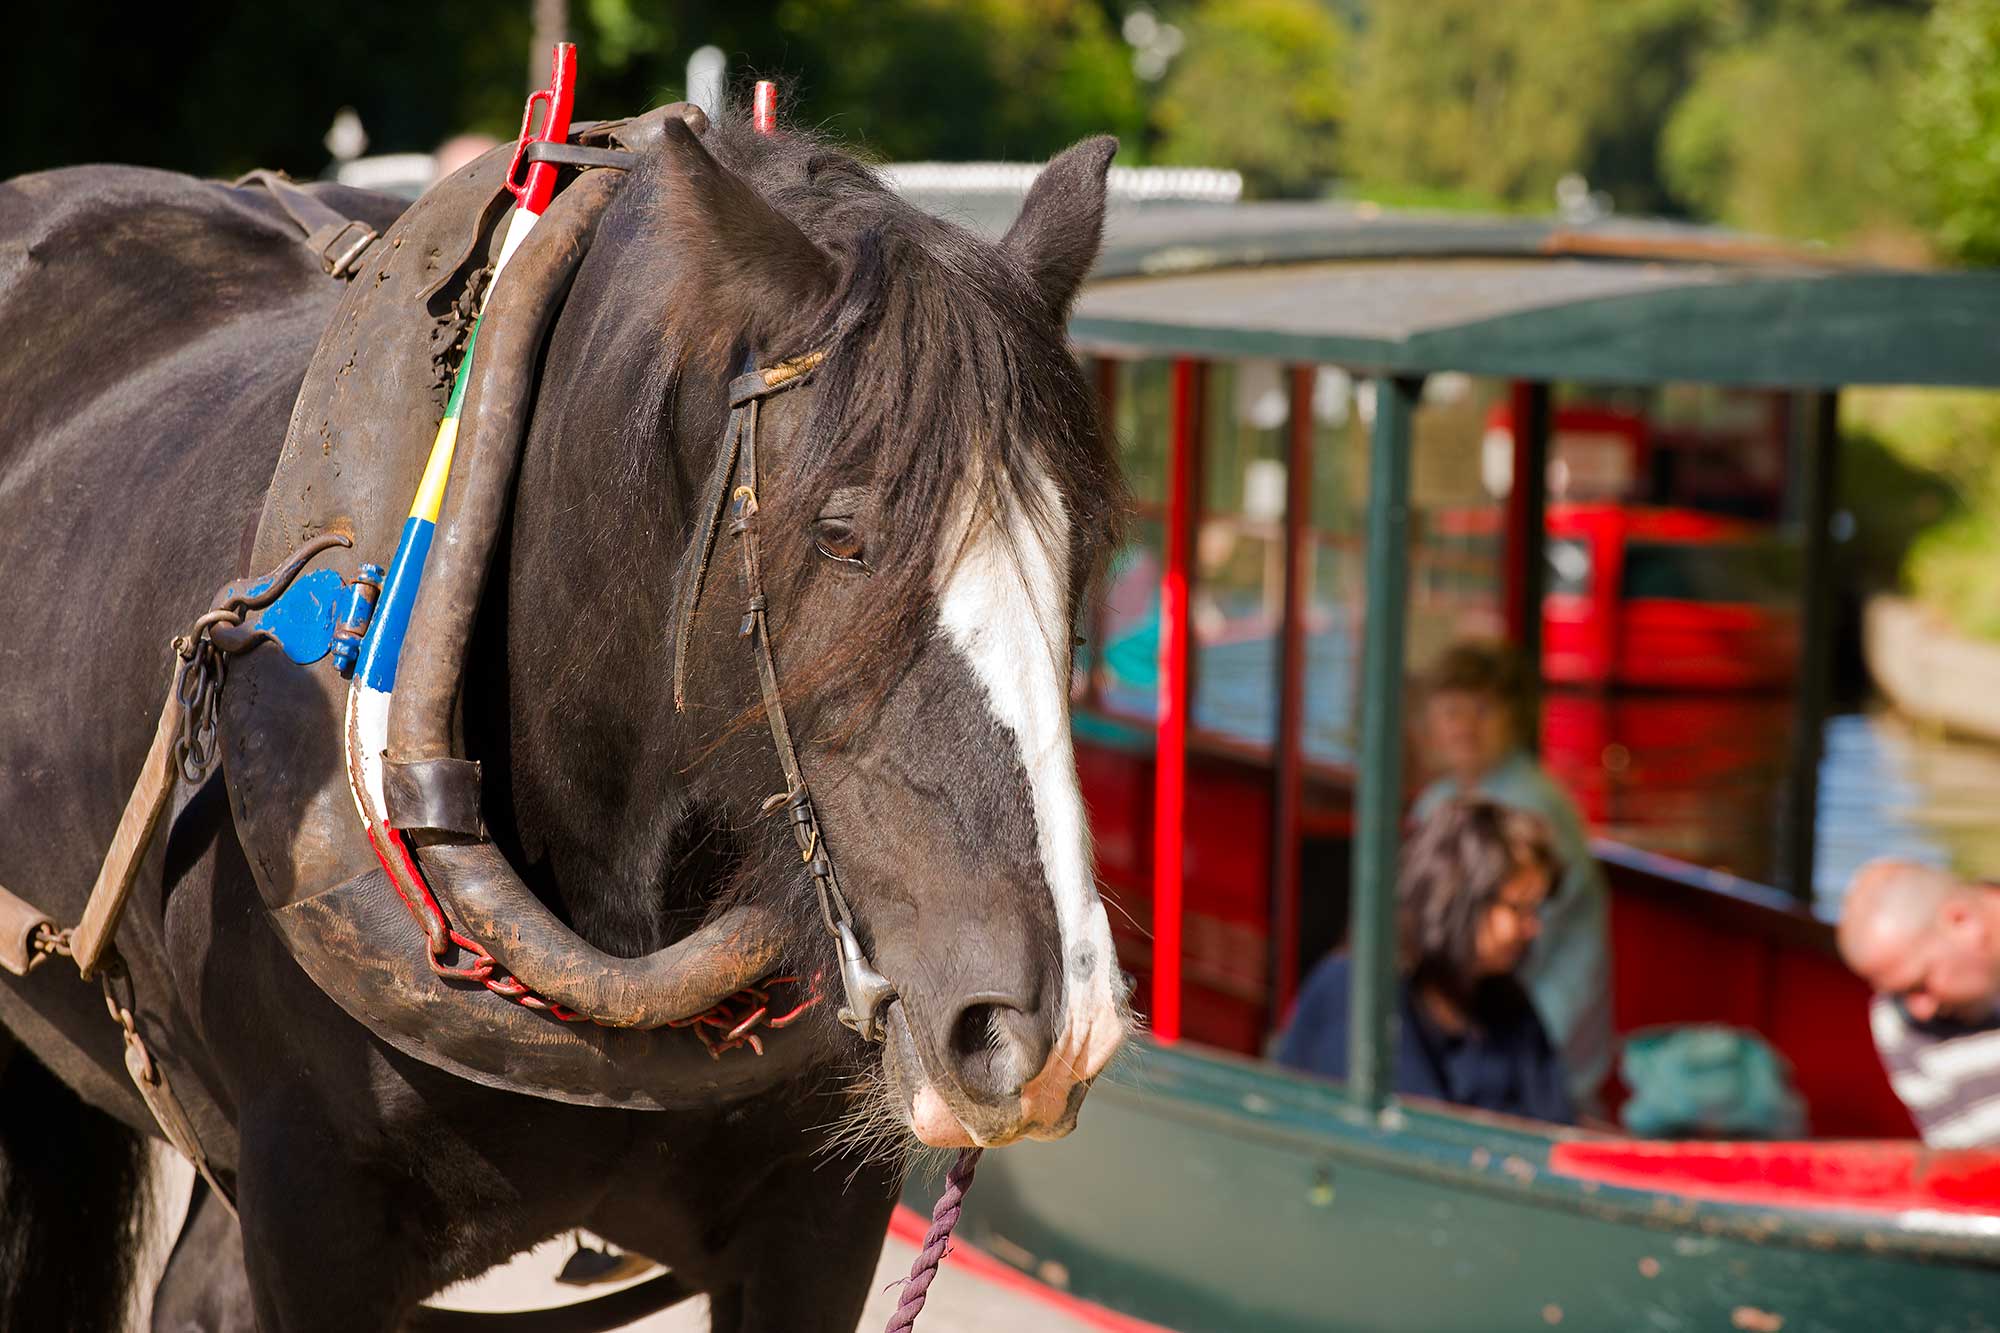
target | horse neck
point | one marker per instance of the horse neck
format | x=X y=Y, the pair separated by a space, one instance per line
x=598 y=759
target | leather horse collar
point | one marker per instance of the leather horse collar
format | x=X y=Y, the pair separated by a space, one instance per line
x=866 y=991
x=353 y=455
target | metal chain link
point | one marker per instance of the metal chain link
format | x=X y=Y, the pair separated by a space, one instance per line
x=49 y=942
x=198 y=684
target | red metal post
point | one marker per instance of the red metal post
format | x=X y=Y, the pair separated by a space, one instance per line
x=764 y=109
x=1170 y=736
x=1513 y=590
x=1289 y=769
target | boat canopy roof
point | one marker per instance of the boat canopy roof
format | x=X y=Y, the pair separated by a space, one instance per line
x=1612 y=301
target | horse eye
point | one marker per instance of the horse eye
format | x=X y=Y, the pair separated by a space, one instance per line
x=837 y=539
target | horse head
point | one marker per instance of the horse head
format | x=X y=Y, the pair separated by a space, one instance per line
x=930 y=501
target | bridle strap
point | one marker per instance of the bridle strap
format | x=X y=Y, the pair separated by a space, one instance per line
x=867 y=992
x=714 y=498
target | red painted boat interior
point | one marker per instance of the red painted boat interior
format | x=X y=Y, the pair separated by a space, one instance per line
x=1687 y=946
x=1655 y=598
x=1875 y=1177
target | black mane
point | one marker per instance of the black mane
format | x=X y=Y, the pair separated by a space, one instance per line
x=942 y=362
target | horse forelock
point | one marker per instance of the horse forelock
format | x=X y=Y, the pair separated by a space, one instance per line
x=944 y=376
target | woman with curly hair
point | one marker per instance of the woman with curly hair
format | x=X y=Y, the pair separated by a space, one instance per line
x=1469 y=898
x=1478 y=732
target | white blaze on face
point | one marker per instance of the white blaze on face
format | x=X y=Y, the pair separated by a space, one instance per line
x=1004 y=604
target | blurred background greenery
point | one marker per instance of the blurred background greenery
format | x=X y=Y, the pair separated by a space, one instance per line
x=1872 y=125
x=1861 y=122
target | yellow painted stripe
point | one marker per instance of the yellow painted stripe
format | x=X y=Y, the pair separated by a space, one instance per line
x=430 y=492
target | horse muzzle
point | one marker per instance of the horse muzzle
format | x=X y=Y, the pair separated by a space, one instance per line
x=994 y=1076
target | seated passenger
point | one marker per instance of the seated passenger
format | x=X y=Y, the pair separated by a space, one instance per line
x=1928 y=944
x=1475 y=725
x=1468 y=904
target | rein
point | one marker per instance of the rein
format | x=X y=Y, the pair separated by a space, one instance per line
x=866 y=991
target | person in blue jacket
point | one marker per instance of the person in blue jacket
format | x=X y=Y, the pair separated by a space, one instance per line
x=1469 y=898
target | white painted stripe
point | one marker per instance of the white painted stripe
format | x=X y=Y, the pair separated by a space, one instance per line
x=367 y=735
x=1949 y=1224
x=1004 y=605
x=519 y=223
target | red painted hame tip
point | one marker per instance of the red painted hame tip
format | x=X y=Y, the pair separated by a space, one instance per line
x=764 y=110
x=533 y=192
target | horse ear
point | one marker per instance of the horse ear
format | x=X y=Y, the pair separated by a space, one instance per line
x=740 y=253
x=1062 y=222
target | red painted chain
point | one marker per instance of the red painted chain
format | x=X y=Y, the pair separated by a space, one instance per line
x=732 y=1023
x=727 y=1026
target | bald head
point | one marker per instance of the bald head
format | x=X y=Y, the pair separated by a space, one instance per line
x=1923 y=936
x=1890 y=907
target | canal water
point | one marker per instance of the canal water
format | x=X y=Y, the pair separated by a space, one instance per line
x=1891 y=787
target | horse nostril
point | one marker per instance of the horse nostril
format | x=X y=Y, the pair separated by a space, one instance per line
x=996 y=1047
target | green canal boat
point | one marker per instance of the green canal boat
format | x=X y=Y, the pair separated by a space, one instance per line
x=1207 y=1189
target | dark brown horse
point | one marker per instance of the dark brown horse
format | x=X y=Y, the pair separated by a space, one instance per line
x=934 y=501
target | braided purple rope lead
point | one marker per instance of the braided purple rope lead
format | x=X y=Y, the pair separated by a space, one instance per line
x=944 y=1216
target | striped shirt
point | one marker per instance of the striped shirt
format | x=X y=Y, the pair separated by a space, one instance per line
x=1946 y=1072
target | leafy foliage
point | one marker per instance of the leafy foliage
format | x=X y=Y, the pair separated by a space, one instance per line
x=1952 y=538
x=1495 y=99
x=1261 y=89
x=1954 y=128
x=1789 y=135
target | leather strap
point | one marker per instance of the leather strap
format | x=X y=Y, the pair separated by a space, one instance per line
x=108 y=895
x=714 y=496
x=433 y=795
x=866 y=989
x=337 y=239
x=576 y=155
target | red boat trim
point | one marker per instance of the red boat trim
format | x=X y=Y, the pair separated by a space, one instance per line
x=909 y=1227
x=1878 y=1177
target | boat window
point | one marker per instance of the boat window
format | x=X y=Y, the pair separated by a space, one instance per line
x=1236 y=603
x=1762 y=573
x=1125 y=631
x=1334 y=580
x=1569 y=566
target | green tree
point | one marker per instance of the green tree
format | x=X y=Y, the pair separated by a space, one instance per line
x=1954 y=128
x=1653 y=47
x=1493 y=99
x=977 y=78
x=1792 y=134
x=1260 y=87
x=904 y=78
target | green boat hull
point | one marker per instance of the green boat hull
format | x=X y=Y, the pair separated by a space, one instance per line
x=1209 y=1194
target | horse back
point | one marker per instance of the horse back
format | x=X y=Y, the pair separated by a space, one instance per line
x=161 y=327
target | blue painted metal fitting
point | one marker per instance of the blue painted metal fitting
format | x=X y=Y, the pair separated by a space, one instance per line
x=357 y=605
